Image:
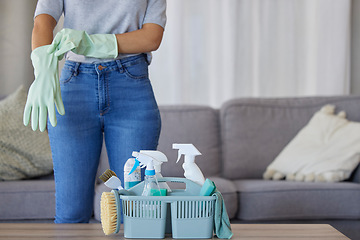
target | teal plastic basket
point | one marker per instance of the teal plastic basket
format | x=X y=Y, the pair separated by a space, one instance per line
x=190 y=216
x=144 y=217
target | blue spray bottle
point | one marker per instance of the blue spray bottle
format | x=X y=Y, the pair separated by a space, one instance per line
x=151 y=185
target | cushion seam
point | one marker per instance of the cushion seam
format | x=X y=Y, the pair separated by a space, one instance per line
x=298 y=190
x=27 y=192
x=226 y=110
x=327 y=100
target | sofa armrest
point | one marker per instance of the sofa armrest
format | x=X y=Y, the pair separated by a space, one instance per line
x=355 y=176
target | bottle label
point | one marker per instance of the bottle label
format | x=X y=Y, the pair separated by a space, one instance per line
x=135 y=176
x=132 y=179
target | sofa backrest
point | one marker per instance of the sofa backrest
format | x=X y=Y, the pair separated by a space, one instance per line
x=198 y=125
x=255 y=130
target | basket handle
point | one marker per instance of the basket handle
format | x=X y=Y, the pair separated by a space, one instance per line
x=192 y=188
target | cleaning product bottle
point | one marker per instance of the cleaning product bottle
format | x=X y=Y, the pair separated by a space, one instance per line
x=159 y=158
x=151 y=185
x=134 y=178
x=191 y=170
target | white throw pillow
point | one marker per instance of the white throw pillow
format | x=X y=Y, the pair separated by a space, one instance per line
x=326 y=150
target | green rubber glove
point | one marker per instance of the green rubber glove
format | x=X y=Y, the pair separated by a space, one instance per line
x=44 y=92
x=79 y=42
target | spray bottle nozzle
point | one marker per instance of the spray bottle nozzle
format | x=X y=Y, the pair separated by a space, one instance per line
x=158 y=156
x=191 y=170
x=188 y=149
x=143 y=160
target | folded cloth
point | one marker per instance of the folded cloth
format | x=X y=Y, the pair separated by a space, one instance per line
x=221 y=218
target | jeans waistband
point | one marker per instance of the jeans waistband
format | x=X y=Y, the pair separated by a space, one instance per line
x=105 y=66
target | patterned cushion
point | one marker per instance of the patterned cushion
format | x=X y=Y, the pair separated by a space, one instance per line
x=23 y=153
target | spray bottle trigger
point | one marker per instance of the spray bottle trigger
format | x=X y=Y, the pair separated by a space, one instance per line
x=179 y=156
x=135 y=166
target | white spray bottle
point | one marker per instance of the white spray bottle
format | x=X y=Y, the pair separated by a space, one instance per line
x=151 y=185
x=191 y=170
x=159 y=158
x=130 y=180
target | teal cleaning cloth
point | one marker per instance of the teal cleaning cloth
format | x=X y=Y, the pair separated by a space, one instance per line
x=221 y=218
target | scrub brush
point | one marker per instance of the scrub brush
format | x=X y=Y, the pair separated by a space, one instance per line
x=110 y=203
x=107 y=174
x=111 y=180
x=110 y=212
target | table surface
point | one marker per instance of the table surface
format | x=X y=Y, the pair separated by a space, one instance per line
x=12 y=231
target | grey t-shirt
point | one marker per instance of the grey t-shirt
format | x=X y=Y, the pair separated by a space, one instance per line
x=106 y=16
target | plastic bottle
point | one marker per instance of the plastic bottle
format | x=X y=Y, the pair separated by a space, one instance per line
x=151 y=185
x=134 y=178
x=191 y=170
x=159 y=158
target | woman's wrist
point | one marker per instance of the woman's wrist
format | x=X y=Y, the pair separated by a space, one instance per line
x=146 y=39
x=42 y=33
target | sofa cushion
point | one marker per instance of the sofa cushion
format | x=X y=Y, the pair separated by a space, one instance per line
x=229 y=193
x=327 y=149
x=27 y=199
x=99 y=189
x=255 y=130
x=190 y=124
x=278 y=200
x=23 y=153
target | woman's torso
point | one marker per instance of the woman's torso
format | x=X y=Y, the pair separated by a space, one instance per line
x=110 y=16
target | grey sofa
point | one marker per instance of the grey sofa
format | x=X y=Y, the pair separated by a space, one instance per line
x=237 y=141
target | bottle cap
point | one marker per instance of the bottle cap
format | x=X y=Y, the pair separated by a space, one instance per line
x=149 y=172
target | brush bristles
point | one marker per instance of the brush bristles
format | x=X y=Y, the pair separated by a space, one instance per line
x=107 y=174
x=108 y=212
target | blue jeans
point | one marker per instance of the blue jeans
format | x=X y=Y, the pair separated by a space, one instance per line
x=114 y=100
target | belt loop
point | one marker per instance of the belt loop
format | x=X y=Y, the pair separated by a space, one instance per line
x=147 y=57
x=120 y=66
x=76 y=68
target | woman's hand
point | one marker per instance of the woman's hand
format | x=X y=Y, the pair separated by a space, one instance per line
x=94 y=45
x=44 y=92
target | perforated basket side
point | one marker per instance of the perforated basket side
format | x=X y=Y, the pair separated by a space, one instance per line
x=144 y=218
x=142 y=209
x=192 y=218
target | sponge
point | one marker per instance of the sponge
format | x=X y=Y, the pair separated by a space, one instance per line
x=208 y=188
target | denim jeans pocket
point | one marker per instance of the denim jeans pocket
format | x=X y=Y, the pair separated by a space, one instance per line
x=67 y=74
x=137 y=70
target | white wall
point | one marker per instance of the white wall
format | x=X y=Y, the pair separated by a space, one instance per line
x=16 y=23
x=214 y=50
x=355 y=48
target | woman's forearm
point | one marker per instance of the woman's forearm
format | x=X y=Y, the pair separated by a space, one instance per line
x=42 y=33
x=146 y=39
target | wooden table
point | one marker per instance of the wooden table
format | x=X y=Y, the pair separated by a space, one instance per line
x=22 y=231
